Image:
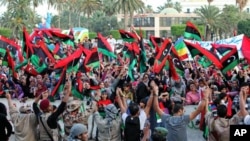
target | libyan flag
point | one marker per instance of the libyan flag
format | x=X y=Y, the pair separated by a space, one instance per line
x=132 y=65
x=14 y=48
x=128 y=36
x=161 y=57
x=104 y=47
x=77 y=88
x=91 y=58
x=230 y=60
x=60 y=84
x=155 y=42
x=191 y=32
x=195 y=49
x=27 y=45
x=65 y=61
x=142 y=58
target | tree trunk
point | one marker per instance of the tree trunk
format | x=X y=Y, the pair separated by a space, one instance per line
x=69 y=19
x=59 y=19
x=126 y=21
x=79 y=20
x=131 y=18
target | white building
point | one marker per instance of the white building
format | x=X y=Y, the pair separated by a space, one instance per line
x=191 y=5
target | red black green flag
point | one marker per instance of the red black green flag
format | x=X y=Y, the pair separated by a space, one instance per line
x=155 y=42
x=191 y=32
x=91 y=58
x=128 y=36
x=230 y=59
x=104 y=47
x=60 y=84
x=27 y=44
x=14 y=48
x=196 y=50
x=161 y=56
x=65 y=61
x=142 y=58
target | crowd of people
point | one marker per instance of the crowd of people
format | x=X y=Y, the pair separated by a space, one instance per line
x=150 y=108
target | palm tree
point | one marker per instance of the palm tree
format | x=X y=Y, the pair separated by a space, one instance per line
x=241 y=4
x=209 y=1
x=149 y=9
x=177 y=6
x=89 y=6
x=128 y=7
x=19 y=15
x=59 y=5
x=210 y=16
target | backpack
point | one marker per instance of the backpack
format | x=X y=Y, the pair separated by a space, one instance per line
x=132 y=130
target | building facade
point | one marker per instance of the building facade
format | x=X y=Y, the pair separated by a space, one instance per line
x=160 y=24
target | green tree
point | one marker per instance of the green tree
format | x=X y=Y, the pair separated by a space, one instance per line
x=229 y=19
x=244 y=27
x=99 y=22
x=177 y=6
x=149 y=9
x=128 y=7
x=209 y=1
x=18 y=14
x=210 y=16
x=89 y=6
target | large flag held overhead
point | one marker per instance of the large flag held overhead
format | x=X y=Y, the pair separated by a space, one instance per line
x=14 y=48
x=128 y=36
x=222 y=49
x=27 y=45
x=195 y=49
x=65 y=61
x=155 y=42
x=60 y=84
x=91 y=58
x=181 y=49
x=230 y=60
x=104 y=47
x=161 y=57
x=142 y=58
x=191 y=32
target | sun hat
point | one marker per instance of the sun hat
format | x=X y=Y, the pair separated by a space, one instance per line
x=73 y=105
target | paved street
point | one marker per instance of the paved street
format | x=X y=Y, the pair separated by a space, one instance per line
x=193 y=134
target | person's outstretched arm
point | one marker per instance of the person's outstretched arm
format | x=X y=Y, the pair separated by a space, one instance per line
x=202 y=105
x=119 y=101
x=52 y=119
x=149 y=104
x=156 y=103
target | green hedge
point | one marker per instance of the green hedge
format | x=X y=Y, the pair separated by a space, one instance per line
x=115 y=34
x=6 y=32
x=92 y=35
x=178 y=30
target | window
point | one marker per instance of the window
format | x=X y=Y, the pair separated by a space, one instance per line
x=144 y=22
x=165 y=21
x=188 y=10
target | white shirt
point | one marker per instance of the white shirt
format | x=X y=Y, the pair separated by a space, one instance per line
x=247 y=120
x=112 y=43
x=142 y=118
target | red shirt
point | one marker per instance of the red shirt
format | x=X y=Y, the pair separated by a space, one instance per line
x=104 y=102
